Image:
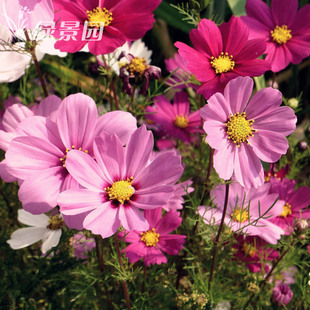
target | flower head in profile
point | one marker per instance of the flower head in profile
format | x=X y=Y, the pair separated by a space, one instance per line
x=285 y=29
x=244 y=131
x=220 y=54
x=174 y=120
x=42 y=227
x=248 y=211
x=151 y=244
x=295 y=203
x=119 y=183
x=124 y=20
x=282 y=294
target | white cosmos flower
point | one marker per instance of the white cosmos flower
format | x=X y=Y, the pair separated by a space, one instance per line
x=43 y=228
x=136 y=48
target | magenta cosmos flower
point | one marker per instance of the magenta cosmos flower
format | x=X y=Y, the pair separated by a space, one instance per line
x=254 y=253
x=243 y=131
x=221 y=54
x=294 y=205
x=174 y=120
x=39 y=156
x=248 y=211
x=124 y=20
x=151 y=244
x=282 y=294
x=285 y=30
x=122 y=181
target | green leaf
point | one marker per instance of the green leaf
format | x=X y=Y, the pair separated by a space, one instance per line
x=237 y=7
x=260 y=82
x=172 y=17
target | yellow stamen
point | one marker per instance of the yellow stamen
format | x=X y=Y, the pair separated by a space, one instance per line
x=98 y=16
x=240 y=215
x=137 y=66
x=248 y=249
x=63 y=159
x=281 y=34
x=286 y=210
x=239 y=129
x=150 y=237
x=223 y=63
x=55 y=222
x=121 y=190
x=181 y=121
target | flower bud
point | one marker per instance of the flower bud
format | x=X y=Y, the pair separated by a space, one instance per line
x=282 y=294
x=293 y=103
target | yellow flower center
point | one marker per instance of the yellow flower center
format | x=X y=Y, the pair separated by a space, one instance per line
x=281 y=34
x=121 y=190
x=181 y=121
x=137 y=66
x=150 y=237
x=239 y=129
x=98 y=16
x=63 y=159
x=248 y=249
x=223 y=63
x=239 y=215
x=286 y=210
x=55 y=222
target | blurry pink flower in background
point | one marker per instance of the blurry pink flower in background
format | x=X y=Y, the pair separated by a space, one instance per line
x=249 y=211
x=81 y=245
x=273 y=173
x=282 y=294
x=244 y=131
x=295 y=204
x=157 y=240
x=119 y=183
x=221 y=54
x=174 y=120
x=124 y=20
x=285 y=30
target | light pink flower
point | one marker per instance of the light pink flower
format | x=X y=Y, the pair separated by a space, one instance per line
x=295 y=203
x=151 y=244
x=249 y=211
x=121 y=181
x=38 y=156
x=82 y=245
x=124 y=20
x=244 y=131
x=222 y=53
x=174 y=120
x=285 y=30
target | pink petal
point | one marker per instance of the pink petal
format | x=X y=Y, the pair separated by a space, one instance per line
x=154 y=256
x=279 y=56
x=171 y=244
x=103 y=221
x=210 y=215
x=123 y=124
x=225 y=155
x=130 y=236
x=301 y=198
x=48 y=107
x=170 y=222
x=77 y=201
x=4 y=174
x=6 y=138
x=132 y=219
x=284 y=11
x=153 y=216
x=181 y=103
x=217 y=134
x=135 y=251
x=76 y=119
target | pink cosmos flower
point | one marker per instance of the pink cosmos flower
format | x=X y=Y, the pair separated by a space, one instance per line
x=295 y=203
x=243 y=131
x=121 y=181
x=175 y=120
x=285 y=30
x=150 y=244
x=254 y=252
x=282 y=294
x=82 y=245
x=38 y=155
x=124 y=20
x=273 y=173
x=221 y=54
x=248 y=211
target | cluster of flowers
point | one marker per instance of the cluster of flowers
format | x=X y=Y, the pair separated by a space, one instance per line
x=102 y=171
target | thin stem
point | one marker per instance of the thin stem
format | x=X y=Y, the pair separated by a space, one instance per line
x=210 y=166
x=263 y=282
x=273 y=79
x=121 y=266
x=36 y=63
x=216 y=241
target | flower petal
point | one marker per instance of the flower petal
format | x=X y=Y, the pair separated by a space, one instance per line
x=30 y=219
x=132 y=218
x=24 y=237
x=51 y=241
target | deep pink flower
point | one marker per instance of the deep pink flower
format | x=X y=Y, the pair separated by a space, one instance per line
x=254 y=252
x=242 y=130
x=174 y=120
x=124 y=20
x=285 y=30
x=221 y=54
x=248 y=211
x=122 y=181
x=282 y=294
x=38 y=155
x=273 y=173
x=150 y=244
x=295 y=203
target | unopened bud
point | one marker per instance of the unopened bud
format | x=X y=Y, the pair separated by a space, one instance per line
x=302 y=145
x=300 y=225
x=293 y=103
